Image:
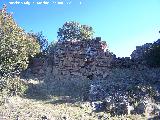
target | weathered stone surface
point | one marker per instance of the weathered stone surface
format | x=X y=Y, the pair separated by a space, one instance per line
x=138 y=54
x=81 y=58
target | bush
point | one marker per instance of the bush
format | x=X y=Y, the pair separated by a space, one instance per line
x=15 y=45
x=11 y=86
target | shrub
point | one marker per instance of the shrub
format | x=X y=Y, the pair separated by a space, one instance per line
x=11 y=86
x=15 y=45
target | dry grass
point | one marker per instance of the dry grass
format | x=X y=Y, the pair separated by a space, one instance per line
x=18 y=108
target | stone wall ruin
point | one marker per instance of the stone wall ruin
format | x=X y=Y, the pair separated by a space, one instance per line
x=86 y=59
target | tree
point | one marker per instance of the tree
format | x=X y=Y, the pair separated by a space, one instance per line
x=40 y=38
x=16 y=46
x=74 y=31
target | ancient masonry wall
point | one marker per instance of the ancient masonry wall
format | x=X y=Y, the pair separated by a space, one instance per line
x=73 y=60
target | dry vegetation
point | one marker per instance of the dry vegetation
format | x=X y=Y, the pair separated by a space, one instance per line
x=62 y=106
x=18 y=108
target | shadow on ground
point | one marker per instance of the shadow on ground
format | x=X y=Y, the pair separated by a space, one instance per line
x=58 y=91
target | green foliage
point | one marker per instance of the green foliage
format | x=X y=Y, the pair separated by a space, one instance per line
x=15 y=45
x=40 y=38
x=74 y=31
x=51 y=48
x=11 y=86
x=152 y=55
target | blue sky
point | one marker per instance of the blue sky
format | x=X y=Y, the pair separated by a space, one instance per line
x=124 y=24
